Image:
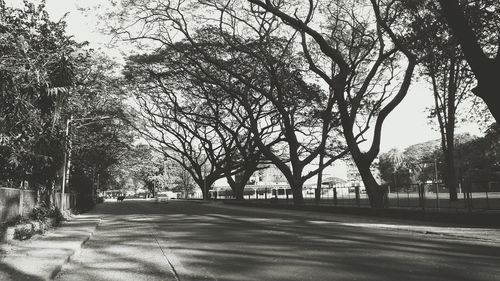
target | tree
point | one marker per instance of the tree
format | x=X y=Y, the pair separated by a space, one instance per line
x=183 y=182
x=478 y=159
x=447 y=71
x=174 y=122
x=363 y=61
x=143 y=166
x=35 y=74
x=451 y=83
x=419 y=163
x=227 y=141
x=299 y=121
x=100 y=136
x=393 y=167
x=475 y=26
x=261 y=72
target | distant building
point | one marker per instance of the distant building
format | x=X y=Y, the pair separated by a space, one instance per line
x=341 y=174
x=269 y=176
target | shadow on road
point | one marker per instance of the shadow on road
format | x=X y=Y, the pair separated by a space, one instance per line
x=203 y=242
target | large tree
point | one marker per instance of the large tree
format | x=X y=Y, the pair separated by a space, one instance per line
x=173 y=121
x=478 y=160
x=38 y=60
x=363 y=61
x=255 y=69
x=476 y=26
x=98 y=134
x=226 y=139
x=299 y=125
x=446 y=69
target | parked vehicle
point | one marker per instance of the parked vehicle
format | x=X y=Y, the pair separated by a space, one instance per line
x=161 y=197
x=164 y=196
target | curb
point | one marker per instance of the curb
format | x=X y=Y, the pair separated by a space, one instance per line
x=54 y=272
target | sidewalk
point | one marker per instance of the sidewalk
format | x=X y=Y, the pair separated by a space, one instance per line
x=42 y=257
x=482 y=230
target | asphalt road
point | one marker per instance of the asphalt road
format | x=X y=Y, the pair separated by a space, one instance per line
x=141 y=240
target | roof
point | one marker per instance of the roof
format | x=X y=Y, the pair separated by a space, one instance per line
x=333 y=180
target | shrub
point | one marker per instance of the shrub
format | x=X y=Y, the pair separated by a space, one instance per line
x=39 y=213
x=56 y=214
x=38 y=222
x=42 y=213
x=23 y=231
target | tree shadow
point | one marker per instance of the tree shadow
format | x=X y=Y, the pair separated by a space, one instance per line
x=207 y=243
x=9 y=273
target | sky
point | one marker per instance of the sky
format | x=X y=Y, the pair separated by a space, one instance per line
x=405 y=126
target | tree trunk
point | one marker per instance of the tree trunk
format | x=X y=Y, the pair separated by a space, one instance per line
x=449 y=149
x=296 y=186
x=373 y=189
x=237 y=187
x=204 y=185
x=317 y=195
x=485 y=69
x=451 y=180
x=449 y=156
x=238 y=192
x=490 y=97
x=240 y=180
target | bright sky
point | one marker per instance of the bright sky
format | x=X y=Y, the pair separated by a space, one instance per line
x=408 y=123
x=405 y=126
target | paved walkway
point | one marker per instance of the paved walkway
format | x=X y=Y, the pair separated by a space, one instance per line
x=124 y=247
x=43 y=256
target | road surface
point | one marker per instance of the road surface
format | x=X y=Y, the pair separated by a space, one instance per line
x=141 y=240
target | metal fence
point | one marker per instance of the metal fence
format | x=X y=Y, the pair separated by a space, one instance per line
x=435 y=196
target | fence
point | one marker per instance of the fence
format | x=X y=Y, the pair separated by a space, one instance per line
x=19 y=202
x=16 y=202
x=482 y=196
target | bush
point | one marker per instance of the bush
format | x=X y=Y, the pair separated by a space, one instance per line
x=23 y=232
x=56 y=214
x=42 y=213
x=39 y=220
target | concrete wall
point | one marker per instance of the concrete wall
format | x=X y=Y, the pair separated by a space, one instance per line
x=16 y=202
x=9 y=203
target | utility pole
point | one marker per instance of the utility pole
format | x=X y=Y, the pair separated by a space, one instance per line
x=164 y=175
x=435 y=170
x=205 y=182
x=436 y=181
x=67 y=154
x=67 y=163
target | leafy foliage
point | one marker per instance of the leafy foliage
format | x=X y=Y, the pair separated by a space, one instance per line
x=477 y=160
x=47 y=78
x=36 y=70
